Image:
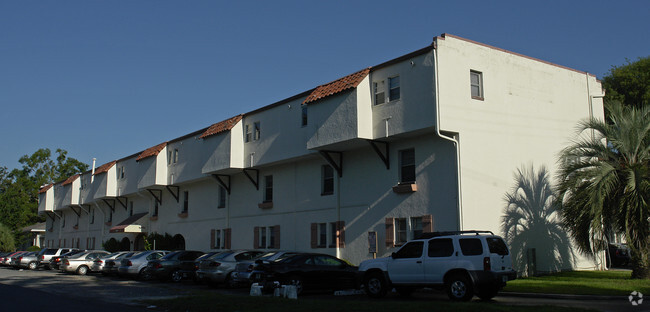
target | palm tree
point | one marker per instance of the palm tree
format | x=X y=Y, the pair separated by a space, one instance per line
x=531 y=221
x=604 y=183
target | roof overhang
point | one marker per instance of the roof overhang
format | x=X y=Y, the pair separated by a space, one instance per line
x=130 y=224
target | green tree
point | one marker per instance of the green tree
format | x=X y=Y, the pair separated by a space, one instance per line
x=629 y=83
x=604 y=183
x=7 y=242
x=19 y=187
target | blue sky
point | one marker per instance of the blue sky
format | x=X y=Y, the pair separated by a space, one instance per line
x=107 y=79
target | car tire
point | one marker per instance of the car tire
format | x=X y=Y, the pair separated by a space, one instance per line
x=297 y=281
x=459 y=288
x=487 y=292
x=177 y=276
x=375 y=285
x=144 y=275
x=82 y=270
x=32 y=266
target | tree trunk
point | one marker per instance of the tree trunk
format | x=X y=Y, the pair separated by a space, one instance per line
x=640 y=263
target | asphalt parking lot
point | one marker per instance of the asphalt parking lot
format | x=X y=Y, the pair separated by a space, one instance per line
x=99 y=290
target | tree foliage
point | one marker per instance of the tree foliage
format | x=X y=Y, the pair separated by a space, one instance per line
x=19 y=187
x=7 y=242
x=604 y=183
x=629 y=83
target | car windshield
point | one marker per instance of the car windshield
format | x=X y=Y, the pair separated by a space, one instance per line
x=171 y=255
x=74 y=252
x=222 y=255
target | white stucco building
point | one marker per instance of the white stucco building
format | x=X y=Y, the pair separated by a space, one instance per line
x=428 y=141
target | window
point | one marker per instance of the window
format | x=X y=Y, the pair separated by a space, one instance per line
x=471 y=246
x=304 y=115
x=416 y=227
x=130 y=209
x=327 y=173
x=92 y=215
x=62 y=220
x=497 y=246
x=262 y=242
x=247 y=130
x=186 y=201
x=271 y=237
x=268 y=188
x=333 y=233
x=155 y=208
x=442 y=247
x=110 y=216
x=410 y=250
x=378 y=90
x=169 y=158
x=322 y=235
x=400 y=231
x=476 y=82
x=256 y=135
x=393 y=89
x=222 y=197
x=121 y=172
x=175 y=155
x=217 y=239
x=407 y=166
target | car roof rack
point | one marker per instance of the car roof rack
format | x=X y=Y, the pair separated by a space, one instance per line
x=448 y=233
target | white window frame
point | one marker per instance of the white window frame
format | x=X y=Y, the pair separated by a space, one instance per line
x=379 y=90
x=399 y=89
x=257 y=131
x=402 y=165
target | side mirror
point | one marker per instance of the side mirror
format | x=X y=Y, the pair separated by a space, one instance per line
x=393 y=255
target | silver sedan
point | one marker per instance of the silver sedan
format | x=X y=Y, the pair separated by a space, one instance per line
x=218 y=268
x=80 y=263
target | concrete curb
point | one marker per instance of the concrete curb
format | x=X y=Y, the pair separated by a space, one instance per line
x=562 y=296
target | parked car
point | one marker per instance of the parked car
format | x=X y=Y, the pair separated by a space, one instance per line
x=218 y=268
x=464 y=263
x=47 y=254
x=111 y=265
x=80 y=263
x=188 y=268
x=28 y=261
x=243 y=271
x=55 y=261
x=15 y=260
x=6 y=259
x=3 y=255
x=618 y=255
x=169 y=266
x=308 y=271
x=99 y=263
x=136 y=265
x=11 y=260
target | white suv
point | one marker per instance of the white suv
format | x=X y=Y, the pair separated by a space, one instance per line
x=463 y=262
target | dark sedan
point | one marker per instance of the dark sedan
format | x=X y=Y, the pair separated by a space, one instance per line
x=308 y=271
x=188 y=268
x=169 y=266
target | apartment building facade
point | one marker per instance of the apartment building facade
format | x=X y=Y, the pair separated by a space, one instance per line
x=428 y=141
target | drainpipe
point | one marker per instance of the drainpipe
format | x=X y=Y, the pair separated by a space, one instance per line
x=451 y=139
x=101 y=237
x=338 y=214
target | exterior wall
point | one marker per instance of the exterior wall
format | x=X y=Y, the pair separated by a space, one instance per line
x=129 y=183
x=335 y=119
x=529 y=113
x=46 y=201
x=105 y=184
x=152 y=170
x=415 y=109
x=85 y=188
x=221 y=153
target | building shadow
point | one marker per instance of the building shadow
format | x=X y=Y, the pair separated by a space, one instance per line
x=532 y=225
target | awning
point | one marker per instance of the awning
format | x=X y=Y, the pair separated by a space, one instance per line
x=129 y=224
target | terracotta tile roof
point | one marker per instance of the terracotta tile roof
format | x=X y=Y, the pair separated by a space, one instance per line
x=45 y=188
x=222 y=126
x=70 y=179
x=152 y=151
x=348 y=82
x=105 y=167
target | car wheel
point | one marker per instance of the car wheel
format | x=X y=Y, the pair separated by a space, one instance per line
x=32 y=266
x=459 y=288
x=82 y=270
x=375 y=285
x=487 y=292
x=297 y=281
x=144 y=275
x=177 y=276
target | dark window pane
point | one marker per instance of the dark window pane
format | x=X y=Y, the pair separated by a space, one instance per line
x=471 y=246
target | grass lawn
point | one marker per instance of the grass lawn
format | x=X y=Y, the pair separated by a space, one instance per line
x=610 y=283
x=210 y=301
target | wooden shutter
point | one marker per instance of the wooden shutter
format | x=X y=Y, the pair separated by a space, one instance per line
x=212 y=238
x=340 y=228
x=226 y=237
x=276 y=231
x=390 y=232
x=427 y=223
x=256 y=237
x=314 y=235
